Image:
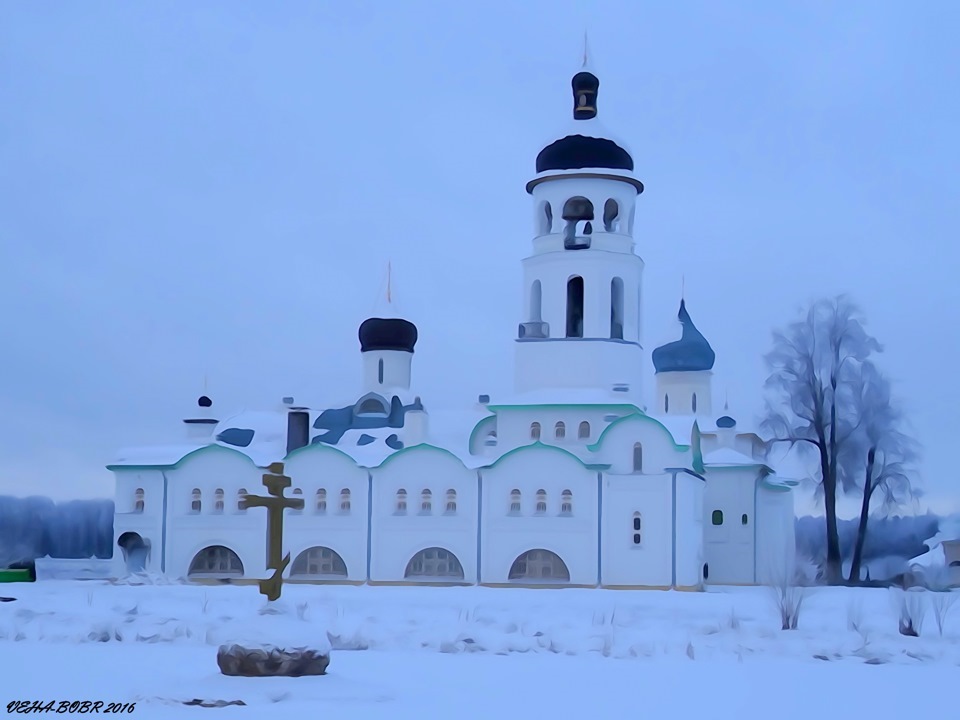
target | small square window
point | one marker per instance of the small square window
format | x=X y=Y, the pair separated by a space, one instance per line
x=636 y=538
x=717 y=517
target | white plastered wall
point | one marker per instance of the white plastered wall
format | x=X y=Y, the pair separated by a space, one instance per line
x=397 y=537
x=505 y=536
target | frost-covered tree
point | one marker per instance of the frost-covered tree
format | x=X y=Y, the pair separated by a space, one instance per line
x=879 y=459
x=811 y=395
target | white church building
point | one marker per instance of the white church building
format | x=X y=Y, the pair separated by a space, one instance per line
x=570 y=481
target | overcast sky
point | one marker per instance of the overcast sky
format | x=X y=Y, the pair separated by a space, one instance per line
x=212 y=190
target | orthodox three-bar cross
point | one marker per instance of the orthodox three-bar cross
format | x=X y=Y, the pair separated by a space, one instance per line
x=276 y=482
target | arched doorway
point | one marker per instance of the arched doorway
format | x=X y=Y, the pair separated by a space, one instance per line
x=135 y=551
x=539 y=566
x=318 y=563
x=216 y=561
x=437 y=564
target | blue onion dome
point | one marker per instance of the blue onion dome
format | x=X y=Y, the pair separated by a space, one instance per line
x=387 y=334
x=690 y=353
x=726 y=422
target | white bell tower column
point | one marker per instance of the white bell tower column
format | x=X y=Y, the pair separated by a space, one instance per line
x=580 y=327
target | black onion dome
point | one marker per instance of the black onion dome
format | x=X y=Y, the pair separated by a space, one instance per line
x=577 y=151
x=690 y=353
x=204 y=402
x=387 y=334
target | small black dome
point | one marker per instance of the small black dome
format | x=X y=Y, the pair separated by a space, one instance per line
x=387 y=334
x=578 y=151
x=204 y=401
x=726 y=422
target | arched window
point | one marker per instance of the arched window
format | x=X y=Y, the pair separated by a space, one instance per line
x=577 y=214
x=345 y=500
x=451 y=501
x=566 y=502
x=631 y=218
x=318 y=563
x=401 y=500
x=583 y=432
x=372 y=406
x=616 y=308
x=693 y=402
x=560 y=430
x=321 y=500
x=717 y=517
x=637 y=528
x=743 y=519
x=536 y=301
x=218 y=500
x=298 y=493
x=575 y=307
x=611 y=215
x=515 y=502
x=380 y=371
x=637 y=457
x=541 y=501
x=215 y=561
x=539 y=565
x=426 y=501
x=195 y=503
x=434 y=563
x=546 y=219
x=666 y=403
x=138 y=500
x=535 y=430
x=136 y=551
x=242 y=499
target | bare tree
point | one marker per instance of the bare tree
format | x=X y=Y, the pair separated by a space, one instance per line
x=810 y=395
x=880 y=454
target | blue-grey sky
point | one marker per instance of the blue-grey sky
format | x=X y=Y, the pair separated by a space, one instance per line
x=213 y=190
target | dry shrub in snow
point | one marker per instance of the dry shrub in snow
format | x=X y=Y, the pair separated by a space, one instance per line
x=911 y=608
x=787 y=582
x=941 y=603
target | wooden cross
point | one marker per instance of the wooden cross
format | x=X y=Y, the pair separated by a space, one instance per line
x=275 y=482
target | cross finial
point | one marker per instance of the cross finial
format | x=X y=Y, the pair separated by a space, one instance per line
x=726 y=399
x=586 y=47
x=683 y=282
x=389 y=279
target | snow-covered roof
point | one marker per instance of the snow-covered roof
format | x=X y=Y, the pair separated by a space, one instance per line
x=934 y=557
x=728 y=457
x=159 y=455
x=680 y=427
x=563 y=396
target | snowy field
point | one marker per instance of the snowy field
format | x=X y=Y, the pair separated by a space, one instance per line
x=408 y=652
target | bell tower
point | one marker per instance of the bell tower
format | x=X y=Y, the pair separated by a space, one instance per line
x=580 y=327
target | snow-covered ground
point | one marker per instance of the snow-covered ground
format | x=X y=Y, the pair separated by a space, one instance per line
x=405 y=652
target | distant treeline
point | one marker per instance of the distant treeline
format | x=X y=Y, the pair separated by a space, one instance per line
x=36 y=526
x=886 y=537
